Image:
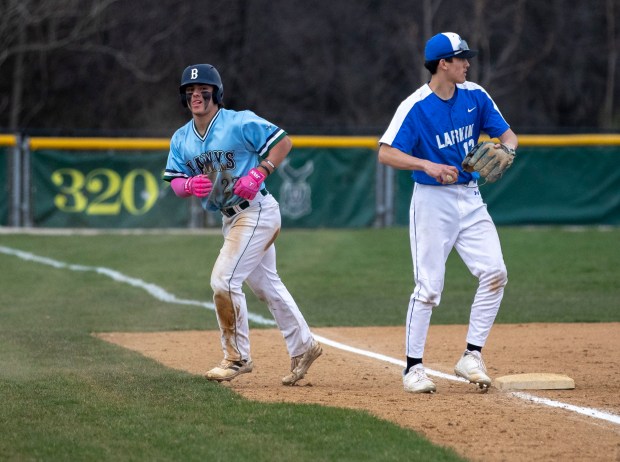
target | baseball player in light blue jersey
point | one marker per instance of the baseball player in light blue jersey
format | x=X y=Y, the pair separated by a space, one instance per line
x=223 y=157
x=430 y=134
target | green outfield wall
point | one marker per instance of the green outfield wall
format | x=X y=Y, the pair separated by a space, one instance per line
x=103 y=190
x=568 y=185
x=324 y=182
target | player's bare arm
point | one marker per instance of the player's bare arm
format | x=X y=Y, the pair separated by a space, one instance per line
x=509 y=139
x=396 y=158
x=249 y=185
x=276 y=155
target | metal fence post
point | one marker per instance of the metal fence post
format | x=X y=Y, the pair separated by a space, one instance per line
x=15 y=189
x=196 y=214
x=26 y=192
x=384 y=201
x=390 y=173
x=380 y=206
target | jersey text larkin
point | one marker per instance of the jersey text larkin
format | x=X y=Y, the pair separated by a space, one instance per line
x=455 y=136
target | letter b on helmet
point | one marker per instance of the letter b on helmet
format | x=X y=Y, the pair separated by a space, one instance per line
x=204 y=74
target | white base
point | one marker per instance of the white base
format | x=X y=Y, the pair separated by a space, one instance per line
x=534 y=381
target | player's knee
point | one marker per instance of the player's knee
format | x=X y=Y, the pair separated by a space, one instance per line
x=429 y=291
x=430 y=299
x=260 y=293
x=221 y=285
x=422 y=304
x=217 y=285
x=495 y=279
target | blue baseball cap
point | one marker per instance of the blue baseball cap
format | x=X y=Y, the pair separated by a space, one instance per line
x=447 y=45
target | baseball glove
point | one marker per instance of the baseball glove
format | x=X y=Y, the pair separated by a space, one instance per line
x=490 y=162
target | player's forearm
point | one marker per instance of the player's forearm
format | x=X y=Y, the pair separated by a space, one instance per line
x=276 y=155
x=399 y=160
x=178 y=186
x=199 y=186
x=509 y=138
x=280 y=151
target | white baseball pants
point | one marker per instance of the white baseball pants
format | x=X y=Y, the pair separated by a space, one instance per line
x=249 y=255
x=442 y=218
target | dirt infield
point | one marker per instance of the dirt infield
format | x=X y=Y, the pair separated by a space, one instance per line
x=496 y=426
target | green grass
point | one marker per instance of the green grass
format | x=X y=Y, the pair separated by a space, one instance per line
x=114 y=405
x=69 y=396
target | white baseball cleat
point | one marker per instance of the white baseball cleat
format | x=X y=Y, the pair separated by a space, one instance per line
x=228 y=370
x=416 y=380
x=471 y=367
x=300 y=364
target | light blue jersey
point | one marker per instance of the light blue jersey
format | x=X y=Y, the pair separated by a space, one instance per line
x=443 y=132
x=233 y=144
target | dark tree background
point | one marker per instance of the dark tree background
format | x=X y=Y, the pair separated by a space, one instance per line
x=112 y=67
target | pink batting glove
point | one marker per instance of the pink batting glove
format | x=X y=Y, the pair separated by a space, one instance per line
x=199 y=186
x=247 y=186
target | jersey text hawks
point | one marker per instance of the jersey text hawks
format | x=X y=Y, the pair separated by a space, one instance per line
x=212 y=161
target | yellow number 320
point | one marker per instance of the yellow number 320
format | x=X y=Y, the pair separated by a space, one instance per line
x=107 y=190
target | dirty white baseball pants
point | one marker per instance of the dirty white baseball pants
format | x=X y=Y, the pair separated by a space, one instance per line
x=442 y=218
x=249 y=255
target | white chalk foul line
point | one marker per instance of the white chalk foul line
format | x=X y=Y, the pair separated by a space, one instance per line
x=380 y=357
x=163 y=295
x=524 y=396
x=157 y=292
x=569 y=407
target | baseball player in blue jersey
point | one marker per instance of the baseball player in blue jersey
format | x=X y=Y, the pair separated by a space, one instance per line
x=223 y=157
x=430 y=134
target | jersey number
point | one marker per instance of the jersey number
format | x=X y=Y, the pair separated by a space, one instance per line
x=468 y=145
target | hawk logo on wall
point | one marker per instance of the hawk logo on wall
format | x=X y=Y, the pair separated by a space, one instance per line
x=295 y=192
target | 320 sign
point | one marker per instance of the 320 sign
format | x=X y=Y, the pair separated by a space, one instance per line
x=103 y=191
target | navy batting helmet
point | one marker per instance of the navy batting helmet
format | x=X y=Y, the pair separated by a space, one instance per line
x=205 y=74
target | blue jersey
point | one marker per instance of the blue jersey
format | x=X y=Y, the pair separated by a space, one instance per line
x=443 y=132
x=233 y=144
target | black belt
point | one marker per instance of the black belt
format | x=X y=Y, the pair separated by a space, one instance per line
x=235 y=209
